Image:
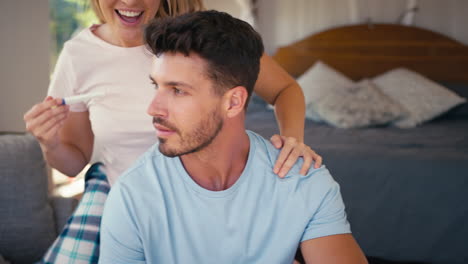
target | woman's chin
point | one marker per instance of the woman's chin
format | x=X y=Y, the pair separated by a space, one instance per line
x=131 y=37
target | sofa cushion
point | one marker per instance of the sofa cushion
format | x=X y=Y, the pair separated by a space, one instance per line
x=27 y=226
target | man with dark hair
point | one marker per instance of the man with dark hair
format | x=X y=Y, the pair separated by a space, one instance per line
x=206 y=192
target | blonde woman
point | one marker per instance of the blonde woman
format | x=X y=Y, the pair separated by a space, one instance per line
x=111 y=131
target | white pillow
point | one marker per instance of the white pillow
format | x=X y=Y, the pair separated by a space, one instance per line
x=360 y=105
x=423 y=98
x=319 y=81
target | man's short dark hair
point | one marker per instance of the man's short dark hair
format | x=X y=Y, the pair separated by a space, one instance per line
x=230 y=46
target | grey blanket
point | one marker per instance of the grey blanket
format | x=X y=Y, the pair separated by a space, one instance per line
x=406 y=190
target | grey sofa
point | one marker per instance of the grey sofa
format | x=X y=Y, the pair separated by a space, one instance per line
x=30 y=218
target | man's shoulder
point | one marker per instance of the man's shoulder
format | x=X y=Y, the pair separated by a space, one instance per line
x=265 y=148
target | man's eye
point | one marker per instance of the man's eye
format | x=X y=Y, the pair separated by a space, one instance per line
x=178 y=91
x=155 y=84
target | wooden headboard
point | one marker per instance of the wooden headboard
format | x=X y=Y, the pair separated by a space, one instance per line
x=367 y=50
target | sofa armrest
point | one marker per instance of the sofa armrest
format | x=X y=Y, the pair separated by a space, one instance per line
x=63 y=208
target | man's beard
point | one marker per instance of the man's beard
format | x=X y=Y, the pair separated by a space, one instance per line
x=193 y=141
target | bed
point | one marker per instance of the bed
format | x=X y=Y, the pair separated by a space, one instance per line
x=406 y=190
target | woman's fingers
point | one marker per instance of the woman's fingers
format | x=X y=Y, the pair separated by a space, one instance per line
x=39 y=108
x=291 y=151
x=54 y=121
x=44 y=119
x=51 y=134
x=290 y=161
x=35 y=124
x=277 y=141
x=306 y=165
x=288 y=145
x=318 y=160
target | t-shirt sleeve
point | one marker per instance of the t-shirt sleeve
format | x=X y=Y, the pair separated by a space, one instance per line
x=120 y=241
x=63 y=82
x=330 y=216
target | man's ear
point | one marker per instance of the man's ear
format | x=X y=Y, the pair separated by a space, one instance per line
x=235 y=100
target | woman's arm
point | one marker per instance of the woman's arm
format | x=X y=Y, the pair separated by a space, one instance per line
x=65 y=137
x=278 y=88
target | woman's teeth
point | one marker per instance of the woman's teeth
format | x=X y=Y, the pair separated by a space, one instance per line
x=129 y=13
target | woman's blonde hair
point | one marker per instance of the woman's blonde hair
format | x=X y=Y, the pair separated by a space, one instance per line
x=166 y=8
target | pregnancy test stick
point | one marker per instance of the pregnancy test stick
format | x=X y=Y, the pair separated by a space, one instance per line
x=81 y=98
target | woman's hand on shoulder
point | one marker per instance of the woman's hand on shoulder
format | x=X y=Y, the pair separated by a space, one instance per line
x=291 y=150
x=44 y=121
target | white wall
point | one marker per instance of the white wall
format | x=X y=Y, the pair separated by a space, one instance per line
x=282 y=22
x=24 y=63
x=228 y=6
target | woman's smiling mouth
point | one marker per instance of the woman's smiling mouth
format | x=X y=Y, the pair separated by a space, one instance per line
x=128 y=17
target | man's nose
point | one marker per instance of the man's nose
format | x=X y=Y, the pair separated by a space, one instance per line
x=157 y=106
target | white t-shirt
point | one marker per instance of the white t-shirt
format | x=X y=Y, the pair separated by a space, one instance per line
x=122 y=128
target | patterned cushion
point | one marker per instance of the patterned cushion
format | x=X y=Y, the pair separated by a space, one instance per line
x=319 y=81
x=423 y=98
x=27 y=226
x=359 y=105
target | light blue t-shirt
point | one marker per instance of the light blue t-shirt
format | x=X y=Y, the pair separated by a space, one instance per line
x=156 y=213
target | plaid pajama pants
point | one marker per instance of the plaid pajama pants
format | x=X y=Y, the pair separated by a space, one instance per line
x=79 y=241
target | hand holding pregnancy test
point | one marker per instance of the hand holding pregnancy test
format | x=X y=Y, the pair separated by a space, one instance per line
x=81 y=98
